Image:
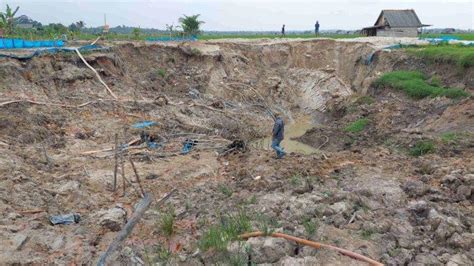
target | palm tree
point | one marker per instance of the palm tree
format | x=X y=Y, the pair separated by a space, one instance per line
x=191 y=24
x=7 y=19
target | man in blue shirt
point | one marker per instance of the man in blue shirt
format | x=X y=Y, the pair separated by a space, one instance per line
x=278 y=135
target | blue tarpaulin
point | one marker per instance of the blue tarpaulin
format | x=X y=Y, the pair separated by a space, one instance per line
x=54 y=50
x=144 y=124
x=21 y=44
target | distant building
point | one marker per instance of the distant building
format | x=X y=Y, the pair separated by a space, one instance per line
x=396 y=23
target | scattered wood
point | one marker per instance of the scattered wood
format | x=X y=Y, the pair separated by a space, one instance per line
x=142 y=206
x=116 y=162
x=137 y=176
x=132 y=142
x=32 y=211
x=96 y=73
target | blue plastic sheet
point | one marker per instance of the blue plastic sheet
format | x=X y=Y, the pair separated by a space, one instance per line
x=54 y=50
x=21 y=44
x=144 y=124
x=187 y=146
x=71 y=218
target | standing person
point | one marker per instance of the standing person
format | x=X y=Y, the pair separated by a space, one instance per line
x=316 y=28
x=278 y=135
x=283 y=30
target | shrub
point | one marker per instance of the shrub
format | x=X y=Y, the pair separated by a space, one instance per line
x=449 y=137
x=218 y=236
x=225 y=190
x=415 y=85
x=167 y=221
x=357 y=126
x=422 y=148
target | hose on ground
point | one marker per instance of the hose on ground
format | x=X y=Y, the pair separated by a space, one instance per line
x=314 y=245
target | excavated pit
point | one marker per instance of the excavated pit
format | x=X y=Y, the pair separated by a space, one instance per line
x=359 y=192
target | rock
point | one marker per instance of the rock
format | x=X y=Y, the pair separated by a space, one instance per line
x=112 y=219
x=57 y=243
x=415 y=188
x=459 y=259
x=292 y=261
x=464 y=192
x=269 y=250
x=403 y=231
x=425 y=259
x=68 y=187
x=419 y=209
x=465 y=240
x=13 y=216
x=14 y=243
x=339 y=207
x=447 y=228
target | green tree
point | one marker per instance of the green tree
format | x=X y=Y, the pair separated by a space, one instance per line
x=136 y=33
x=191 y=24
x=7 y=19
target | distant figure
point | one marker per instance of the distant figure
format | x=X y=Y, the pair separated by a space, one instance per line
x=283 y=30
x=316 y=28
x=278 y=135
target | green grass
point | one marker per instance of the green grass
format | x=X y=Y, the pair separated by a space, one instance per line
x=167 y=222
x=422 y=148
x=415 y=85
x=218 y=236
x=309 y=227
x=161 y=72
x=225 y=190
x=357 y=126
x=450 y=137
x=275 y=36
x=365 y=100
x=366 y=234
x=462 y=55
x=296 y=180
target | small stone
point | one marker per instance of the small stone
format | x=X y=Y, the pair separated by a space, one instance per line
x=112 y=219
x=339 y=207
x=18 y=241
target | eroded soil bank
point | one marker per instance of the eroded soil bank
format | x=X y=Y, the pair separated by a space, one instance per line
x=360 y=191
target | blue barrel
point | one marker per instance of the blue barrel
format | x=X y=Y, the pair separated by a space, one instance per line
x=2 y=46
x=18 y=43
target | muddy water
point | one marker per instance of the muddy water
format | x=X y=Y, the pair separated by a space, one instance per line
x=292 y=130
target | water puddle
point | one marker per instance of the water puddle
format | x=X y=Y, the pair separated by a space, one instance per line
x=293 y=130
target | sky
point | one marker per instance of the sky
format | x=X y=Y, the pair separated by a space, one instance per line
x=244 y=15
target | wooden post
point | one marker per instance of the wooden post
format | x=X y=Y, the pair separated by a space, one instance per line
x=137 y=176
x=116 y=162
x=142 y=206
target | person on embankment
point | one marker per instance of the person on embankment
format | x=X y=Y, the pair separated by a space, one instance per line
x=278 y=135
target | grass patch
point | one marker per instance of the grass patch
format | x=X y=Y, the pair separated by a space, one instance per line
x=167 y=222
x=462 y=55
x=309 y=227
x=365 y=100
x=367 y=234
x=415 y=85
x=225 y=190
x=218 y=236
x=161 y=72
x=357 y=126
x=450 y=137
x=422 y=148
x=296 y=180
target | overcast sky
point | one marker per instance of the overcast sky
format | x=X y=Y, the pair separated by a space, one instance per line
x=244 y=14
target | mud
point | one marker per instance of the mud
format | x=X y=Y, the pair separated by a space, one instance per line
x=361 y=192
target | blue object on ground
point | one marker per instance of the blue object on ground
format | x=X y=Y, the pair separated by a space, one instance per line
x=71 y=218
x=52 y=50
x=187 y=146
x=144 y=124
x=20 y=43
x=152 y=144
